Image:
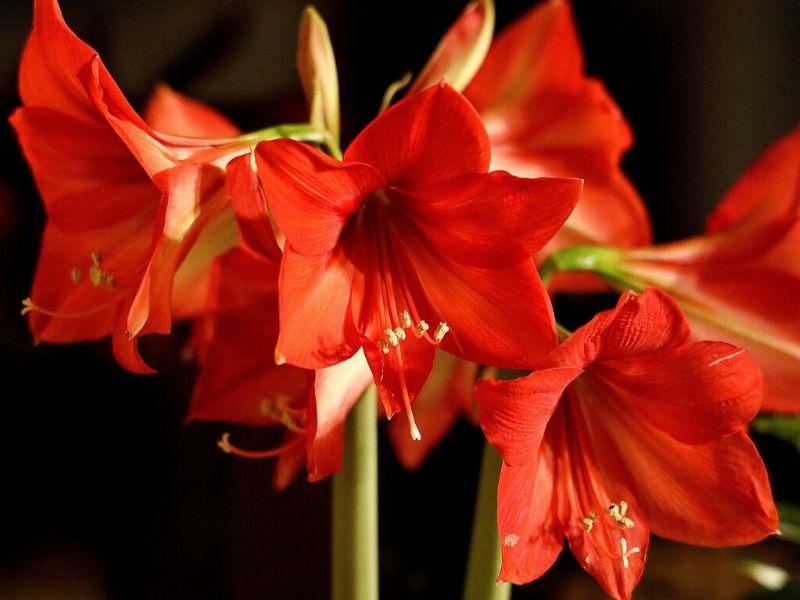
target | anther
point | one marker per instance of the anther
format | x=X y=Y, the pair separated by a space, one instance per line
x=384 y=347
x=391 y=337
x=422 y=327
x=440 y=332
x=617 y=514
x=510 y=540
x=400 y=333
x=405 y=319
x=588 y=522
x=626 y=554
x=75 y=274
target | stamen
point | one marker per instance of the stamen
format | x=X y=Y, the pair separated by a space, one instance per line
x=75 y=274
x=29 y=305
x=626 y=554
x=422 y=327
x=228 y=448
x=384 y=347
x=400 y=333
x=391 y=337
x=405 y=319
x=99 y=276
x=412 y=424
x=587 y=559
x=588 y=522
x=510 y=540
x=440 y=332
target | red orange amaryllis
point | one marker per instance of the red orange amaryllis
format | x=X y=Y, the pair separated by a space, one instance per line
x=239 y=381
x=626 y=429
x=545 y=117
x=409 y=244
x=124 y=204
x=740 y=281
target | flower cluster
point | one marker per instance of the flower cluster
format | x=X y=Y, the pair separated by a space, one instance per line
x=412 y=260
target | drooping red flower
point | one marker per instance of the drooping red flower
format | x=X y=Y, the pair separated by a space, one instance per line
x=626 y=429
x=740 y=281
x=124 y=204
x=545 y=117
x=239 y=381
x=409 y=238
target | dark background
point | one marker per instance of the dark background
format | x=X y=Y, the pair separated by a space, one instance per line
x=107 y=494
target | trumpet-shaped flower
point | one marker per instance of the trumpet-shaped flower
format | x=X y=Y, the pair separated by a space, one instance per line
x=124 y=204
x=740 y=281
x=409 y=244
x=626 y=429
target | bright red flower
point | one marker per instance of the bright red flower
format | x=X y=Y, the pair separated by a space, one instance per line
x=740 y=282
x=545 y=117
x=124 y=203
x=239 y=381
x=624 y=429
x=406 y=239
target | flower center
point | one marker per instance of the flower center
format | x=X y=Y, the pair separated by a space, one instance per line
x=617 y=514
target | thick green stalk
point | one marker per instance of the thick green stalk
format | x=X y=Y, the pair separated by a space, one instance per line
x=484 y=552
x=354 y=573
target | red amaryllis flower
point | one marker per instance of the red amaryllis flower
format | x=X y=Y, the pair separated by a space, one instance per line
x=407 y=239
x=239 y=381
x=740 y=282
x=624 y=429
x=124 y=204
x=546 y=118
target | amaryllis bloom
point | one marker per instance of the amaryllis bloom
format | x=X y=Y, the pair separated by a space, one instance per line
x=623 y=430
x=239 y=381
x=740 y=281
x=409 y=244
x=545 y=117
x=124 y=203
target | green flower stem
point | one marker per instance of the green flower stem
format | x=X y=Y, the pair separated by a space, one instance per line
x=484 y=553
x=604 y=262
x=354 y=573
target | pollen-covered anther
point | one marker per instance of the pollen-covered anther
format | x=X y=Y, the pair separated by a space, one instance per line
x=588 y=522
x=441 y=331
x=391 y=337
x=384 y=347
x=626 y=552
x=405 y=320
x=617 y=514
x=422 y=327
x=75 y=275
x=400 y=333
x=97 y=274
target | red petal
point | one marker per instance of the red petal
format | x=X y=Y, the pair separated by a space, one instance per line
x=768 y=192
x=52 y=58
x=196 y=194
x=310 y=194
x=462 y=49
x=514 y=414
x=251 y=208
x=719 y=385
x=713 y=494
x=169 y=112
x=531 y=536
x=538 y=52
x=316 y=324
x=336 y=390
x=491 y=220
x=426 y=138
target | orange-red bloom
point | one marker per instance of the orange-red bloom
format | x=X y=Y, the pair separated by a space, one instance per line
x=626 y=429
x=407 y=239
x=545 y=117
x=740 y=282
x=124 y=203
